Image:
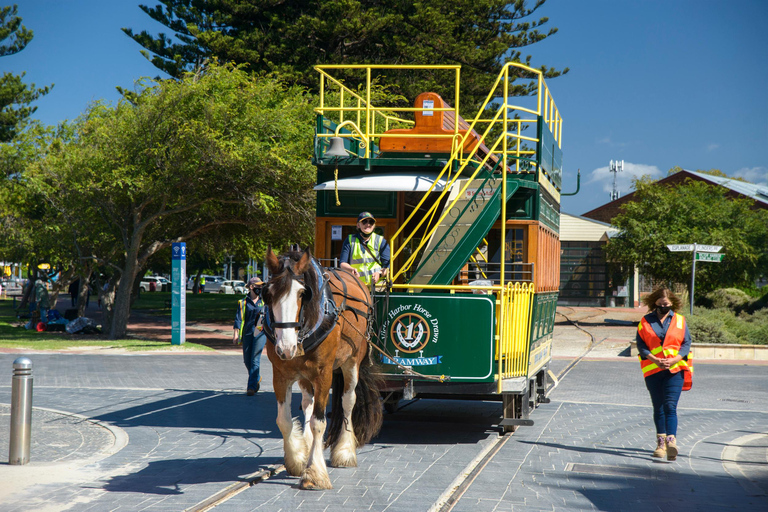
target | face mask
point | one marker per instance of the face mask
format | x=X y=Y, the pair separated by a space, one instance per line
x=663 y=309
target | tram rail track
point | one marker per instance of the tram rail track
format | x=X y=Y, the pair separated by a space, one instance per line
x=457 y=488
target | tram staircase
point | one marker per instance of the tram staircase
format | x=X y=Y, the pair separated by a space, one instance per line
x=468 y=220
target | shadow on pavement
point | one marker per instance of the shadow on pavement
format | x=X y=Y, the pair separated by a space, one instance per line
x=167 y=477
x=202 y=409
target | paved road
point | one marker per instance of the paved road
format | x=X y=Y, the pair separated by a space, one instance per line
x=165 y=432
x=161 y=443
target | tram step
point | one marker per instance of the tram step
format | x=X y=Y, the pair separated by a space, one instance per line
x=515 y=422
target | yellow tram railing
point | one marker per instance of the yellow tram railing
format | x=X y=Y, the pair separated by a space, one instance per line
x=514 y=326
x=514 y=299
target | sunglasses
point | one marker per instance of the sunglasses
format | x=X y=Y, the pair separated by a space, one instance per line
x=367 y=222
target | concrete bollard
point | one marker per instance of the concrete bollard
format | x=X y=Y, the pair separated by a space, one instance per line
x=21 y=411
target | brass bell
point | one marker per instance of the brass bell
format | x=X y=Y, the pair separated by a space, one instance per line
x=337 y=148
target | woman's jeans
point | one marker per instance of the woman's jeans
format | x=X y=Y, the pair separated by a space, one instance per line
x=252 y=347
x=665 y=388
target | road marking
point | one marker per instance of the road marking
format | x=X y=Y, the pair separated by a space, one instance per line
x=730 y=456
x=171 y=407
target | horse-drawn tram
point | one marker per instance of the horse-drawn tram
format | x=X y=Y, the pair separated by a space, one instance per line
x=470 y=208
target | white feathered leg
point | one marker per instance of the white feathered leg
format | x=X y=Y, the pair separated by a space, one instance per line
x=316 y=476
x=307 y=406
x=344 y=452
x=294 y=444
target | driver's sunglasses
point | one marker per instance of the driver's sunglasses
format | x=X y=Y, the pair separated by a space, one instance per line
x=368 y=222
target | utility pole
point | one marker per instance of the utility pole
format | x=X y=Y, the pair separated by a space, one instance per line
x=615 y=167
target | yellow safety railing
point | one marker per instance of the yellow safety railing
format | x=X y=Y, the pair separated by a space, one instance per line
x=514 y=326
x=376 y=120
x=511 y=129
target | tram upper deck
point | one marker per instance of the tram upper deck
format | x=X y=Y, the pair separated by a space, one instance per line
x=435 y=181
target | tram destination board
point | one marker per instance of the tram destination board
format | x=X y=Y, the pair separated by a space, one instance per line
x=439 y=334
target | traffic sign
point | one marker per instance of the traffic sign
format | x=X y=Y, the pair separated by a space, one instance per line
x=709 y=248
x=680 y=248
x=709 y=256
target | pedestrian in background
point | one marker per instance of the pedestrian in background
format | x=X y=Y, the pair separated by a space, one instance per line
x=42 y=300
x=249 y=332
x=663 y=345
x=202 y=284
x=74 y=290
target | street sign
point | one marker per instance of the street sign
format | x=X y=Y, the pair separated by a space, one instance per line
x=700 y=253
x=680 y=248
x=709 y=256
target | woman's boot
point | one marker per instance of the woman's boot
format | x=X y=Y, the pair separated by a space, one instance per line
x=671 y=448
x=661 y=446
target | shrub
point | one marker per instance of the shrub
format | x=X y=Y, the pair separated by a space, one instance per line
x=730 y=298
x=724 y=326
x=710 y=326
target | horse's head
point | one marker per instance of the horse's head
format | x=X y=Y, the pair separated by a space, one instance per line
x=291 y=279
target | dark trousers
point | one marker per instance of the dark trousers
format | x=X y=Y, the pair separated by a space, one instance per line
x=665 y=388
x=252 y=347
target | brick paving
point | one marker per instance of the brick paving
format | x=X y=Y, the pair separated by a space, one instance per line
x=188 y=431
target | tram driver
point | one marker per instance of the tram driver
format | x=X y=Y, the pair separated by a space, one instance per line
x=365 y=253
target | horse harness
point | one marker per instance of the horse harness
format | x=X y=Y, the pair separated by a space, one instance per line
x=311 y=336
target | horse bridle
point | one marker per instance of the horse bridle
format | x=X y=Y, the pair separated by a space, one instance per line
x=306 y=296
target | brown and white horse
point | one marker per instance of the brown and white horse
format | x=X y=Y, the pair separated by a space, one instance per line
x=294 y=300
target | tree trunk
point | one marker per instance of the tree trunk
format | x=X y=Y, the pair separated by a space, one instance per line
x=82 y=294
x=30 y=286
x=121 y=310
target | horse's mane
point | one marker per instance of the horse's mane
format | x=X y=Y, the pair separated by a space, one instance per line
x=280 y=284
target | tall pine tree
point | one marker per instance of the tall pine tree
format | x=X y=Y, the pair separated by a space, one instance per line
x=15 y=95
x=288 y=38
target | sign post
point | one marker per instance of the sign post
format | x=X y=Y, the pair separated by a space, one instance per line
x=178 y=293
x=707 y=254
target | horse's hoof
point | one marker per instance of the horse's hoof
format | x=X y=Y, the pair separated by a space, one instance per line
x=315 y=479
x=307 y=485
x=344 y=461
x=295 y=469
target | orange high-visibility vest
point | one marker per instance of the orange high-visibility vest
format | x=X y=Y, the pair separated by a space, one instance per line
x=672 y=342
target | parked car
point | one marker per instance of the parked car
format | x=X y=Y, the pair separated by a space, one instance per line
x=232 y=287
x=213 y=283
x=12 y=285
x=158 y=280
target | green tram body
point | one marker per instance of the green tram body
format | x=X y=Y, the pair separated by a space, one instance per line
x=448 y=323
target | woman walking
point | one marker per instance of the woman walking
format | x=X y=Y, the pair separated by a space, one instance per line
x=663 y=345
x=249 y=332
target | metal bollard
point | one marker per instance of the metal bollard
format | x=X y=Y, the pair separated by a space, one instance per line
x=21 y=411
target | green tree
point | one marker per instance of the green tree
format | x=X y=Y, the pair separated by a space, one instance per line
x=694 y=212
x=180 y=160
x=15 y=95
x=289 y=38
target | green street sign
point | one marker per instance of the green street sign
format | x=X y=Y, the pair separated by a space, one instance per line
x=709 y=256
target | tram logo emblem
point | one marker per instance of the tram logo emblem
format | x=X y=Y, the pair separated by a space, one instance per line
x=412 y=329
x=410 y=332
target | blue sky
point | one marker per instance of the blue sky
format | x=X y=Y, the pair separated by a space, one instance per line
x=654 y=83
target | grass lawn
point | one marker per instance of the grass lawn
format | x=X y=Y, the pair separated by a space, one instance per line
x=13 y=336
x=201 y=307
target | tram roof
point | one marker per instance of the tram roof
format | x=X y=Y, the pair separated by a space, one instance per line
x=394 y=182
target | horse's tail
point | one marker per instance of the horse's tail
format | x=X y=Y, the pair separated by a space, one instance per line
x=367 y=414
